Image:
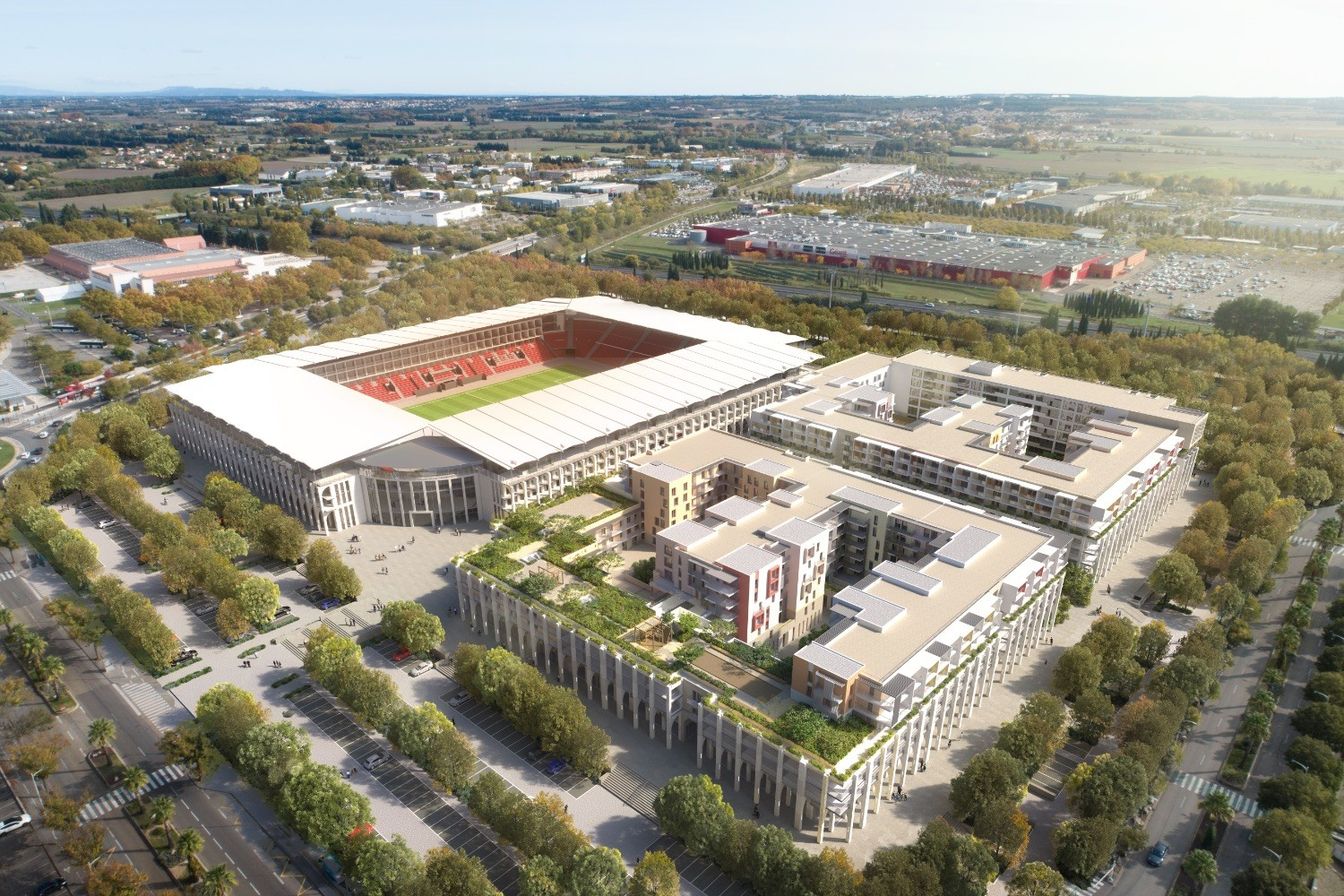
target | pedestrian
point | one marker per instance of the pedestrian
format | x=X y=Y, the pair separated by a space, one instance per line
x=923 y=766
x=900 y=791
x=756 y=811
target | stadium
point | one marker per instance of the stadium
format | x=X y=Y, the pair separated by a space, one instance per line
x=464 y=418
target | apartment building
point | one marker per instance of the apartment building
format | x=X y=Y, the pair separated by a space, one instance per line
x=1108 y=480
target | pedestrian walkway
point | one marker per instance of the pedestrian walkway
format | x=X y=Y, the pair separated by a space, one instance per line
x=150 y=702
x=1307 y=541
x=1049 y=778
x=121 y=796
x=631 y=789
x=1240 y=802
x=7 y=574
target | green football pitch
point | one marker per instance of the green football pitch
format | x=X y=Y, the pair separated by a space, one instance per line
x=449 y=405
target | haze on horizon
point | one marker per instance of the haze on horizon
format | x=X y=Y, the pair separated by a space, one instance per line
x=1134 y=48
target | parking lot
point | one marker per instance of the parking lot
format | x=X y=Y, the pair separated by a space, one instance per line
x=700 y=873
x=455 y=828
x=121 y=534
x=498 y=727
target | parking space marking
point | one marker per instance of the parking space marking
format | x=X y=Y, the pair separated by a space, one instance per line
x=453 y=827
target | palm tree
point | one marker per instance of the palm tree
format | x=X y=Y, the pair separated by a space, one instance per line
x=161 y=812
x=217 y=881
x=189 y=842
x=134 y=781
x=50 y=669
x=30 y=646
x=101 y=734
x=1201 y=866
x=1218 y=807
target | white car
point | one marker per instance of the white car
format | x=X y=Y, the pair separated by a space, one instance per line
x=43 y=434
x=458 y=699
x=373 y=760
x=14 y=822
x=24 y=456
x=106 y=524
x=419 y=669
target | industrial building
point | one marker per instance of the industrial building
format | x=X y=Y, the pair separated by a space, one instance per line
x=332 y=443
x=1086 y=200
x=548 y=201
x=130 y=263
x=1114 y=476
x=850 y=180
x=248 y=191
x=408 y=211
x=936 y=251
x=1283 y=224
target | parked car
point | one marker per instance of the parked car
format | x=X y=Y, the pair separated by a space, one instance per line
x=375 y=759
x=55 y=885
x=328 y=603
x=308 y=590
x=420 y=668
x=555 y=767
x=24 y=456
x=106 y=524
x=14 y=822
x=1158 y=854
x=282 y=610
x=401 y=653
x=44 y=435
x=458 y=699
x=332 y=869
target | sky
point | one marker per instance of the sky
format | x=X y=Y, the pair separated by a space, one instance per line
x=897 y=47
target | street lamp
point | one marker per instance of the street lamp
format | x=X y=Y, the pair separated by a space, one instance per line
x=1278 y=858
x=1323 y=696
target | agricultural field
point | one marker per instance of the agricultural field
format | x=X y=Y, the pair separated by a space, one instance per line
x=490 y=393
x=138 y=199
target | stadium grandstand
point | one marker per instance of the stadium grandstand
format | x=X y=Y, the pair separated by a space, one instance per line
x=468 y=417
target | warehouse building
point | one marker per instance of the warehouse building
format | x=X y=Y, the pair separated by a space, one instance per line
x=935 y=251
x=1086 y=200
x=1283 y=224
x=550 y=202
x=1113 y=478
x=409 y=211
x=850 y=180
x=248 y=191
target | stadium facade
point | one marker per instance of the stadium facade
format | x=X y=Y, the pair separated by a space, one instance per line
x=318 y=429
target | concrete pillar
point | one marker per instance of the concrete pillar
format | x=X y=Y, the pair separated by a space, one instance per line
x=860 y=807
x=718 y=744
x=601 y=675
x=760 y=760
x=823 y=804
x=737 y=757
x=617 y=691
x=699 y=733
x=800 y=794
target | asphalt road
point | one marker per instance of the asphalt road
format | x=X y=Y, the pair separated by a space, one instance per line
x=231 y=836
x=1176 y=815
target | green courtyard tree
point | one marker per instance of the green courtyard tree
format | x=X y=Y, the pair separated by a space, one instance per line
x=412 y=626
x=1295 y=836
x=1083 y=845
x=258 y=598
x=269 y=752
x=691 y=808
x=990 y=777
x=1318 y=759
x=1301 y=791
x=655 y=875
x=226 y=713
x=1154 y=639
x=1036 y=879
x=320 y=806
x=1114 y=787
x=1266 y=877
x=382 y=867
x=1078 y=669
x=1176 y=578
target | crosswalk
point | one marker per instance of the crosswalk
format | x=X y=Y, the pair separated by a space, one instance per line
x=1306 y=541
x=1239 y=801
x=121 y=796
x=151 y=703
x=7 y=574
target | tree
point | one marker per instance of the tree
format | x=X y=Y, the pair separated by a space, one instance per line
x=1328 y=686
x=408 y=177
x=189 y=843
x=412 y=626
x=1007 y=299
x=161 y=810
x=1083 y=845
x=1176 y=578
x=1266 y=877
x=135 y=780
x=451 y=873
x=258 y=598
x=1318 y=759
x=691 y=808
x=540 y=876
x=324 y=566
x=964 y=865
x=60 y=812
x=655 y=875
x=1154 y=638
x=10 y=255
x=216 y=881
x=188 y=744
x=279 y=535
x=991 y=776
x=831 y=873
x=101 y=734
x=1092 y=714
x=1004 y=826
x=1190 y=676
x=115 y=879
x=320 y=806
x=231 y=620
x=226 y=713
x=1323 y=721
x=287 y=236
x=1036 y=879
x=1201 y=866
x=382 y=867
x=899 y=871
x=85 y=845
x=1077 y=670
x=269 y=752
x=773 y=863
x=40 y=754
x=1249 y=562
x=1301 y=841
x=1078 y=584
x=1218 y=807
x=598 y=871
x=1301 y=791
x=1113 y=787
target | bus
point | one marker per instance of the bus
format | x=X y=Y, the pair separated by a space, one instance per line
x=92 y=343
x=64 y=328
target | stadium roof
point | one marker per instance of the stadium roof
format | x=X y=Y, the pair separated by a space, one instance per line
x=525 y=429
x=311 y=420
x=318 y=422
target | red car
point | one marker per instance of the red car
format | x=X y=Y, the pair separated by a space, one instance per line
x=401 y=654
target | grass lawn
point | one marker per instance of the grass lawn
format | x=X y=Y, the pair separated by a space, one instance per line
x=1334 y=318
x=449 y=405
x=6 y=453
